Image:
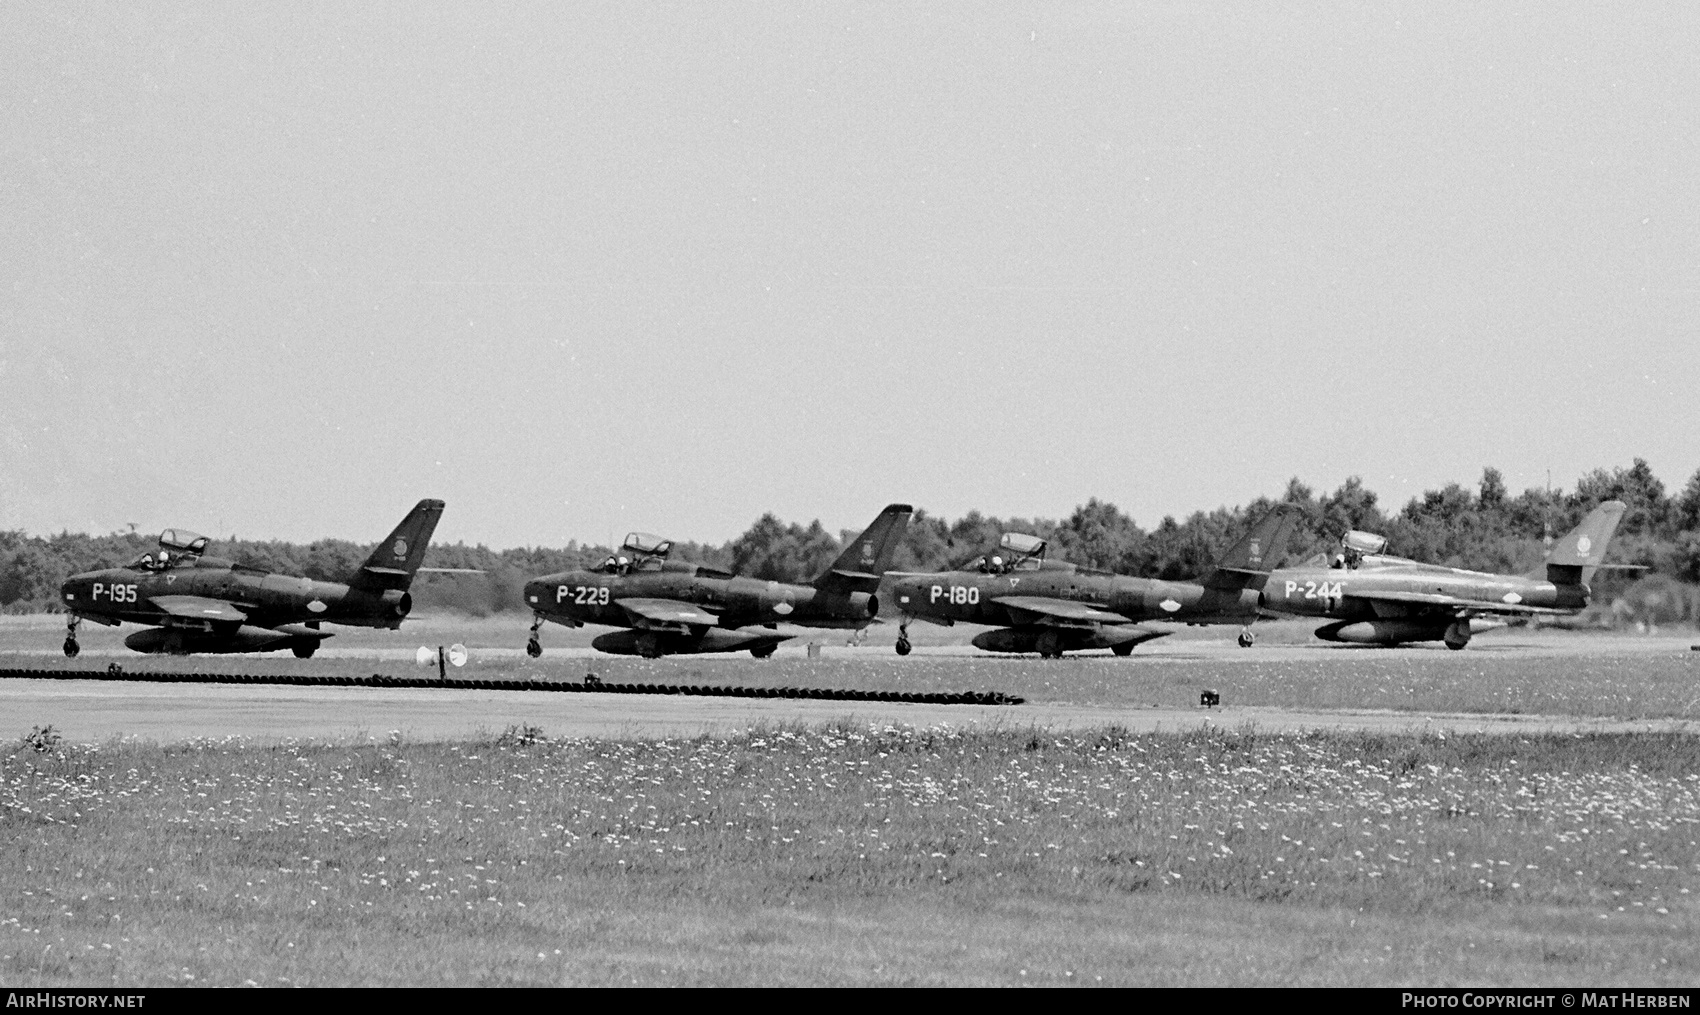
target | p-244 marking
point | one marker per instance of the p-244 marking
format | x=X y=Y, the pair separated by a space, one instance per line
x=1313 y=590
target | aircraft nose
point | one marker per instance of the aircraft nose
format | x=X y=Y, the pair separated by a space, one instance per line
x=534 y=593
x=76 y=589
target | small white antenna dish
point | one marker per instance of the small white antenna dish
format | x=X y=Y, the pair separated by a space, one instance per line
x=424 y=657
x=457 y=655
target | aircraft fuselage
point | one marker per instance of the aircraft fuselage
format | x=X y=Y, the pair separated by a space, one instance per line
x=972 y=597
x=574 y=598
x=1339 y=592
x=272 y=611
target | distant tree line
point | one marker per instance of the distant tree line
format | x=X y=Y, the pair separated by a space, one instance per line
x=1485 y=528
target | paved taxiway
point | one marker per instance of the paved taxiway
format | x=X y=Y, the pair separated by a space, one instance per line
x=99 y=710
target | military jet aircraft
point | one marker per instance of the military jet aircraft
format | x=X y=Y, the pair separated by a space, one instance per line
x=1381 y=600
x=196 y=603
x=673 y=608
x=1051 y=607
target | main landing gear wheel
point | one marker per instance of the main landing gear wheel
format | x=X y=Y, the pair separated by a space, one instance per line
x=533 y=647
x=763 y=653
x=903 y=645
x=304 y=651
x=1122 y=650
x=71 y=646
x=1246 y=637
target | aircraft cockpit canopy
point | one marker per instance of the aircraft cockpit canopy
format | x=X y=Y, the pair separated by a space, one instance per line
x=1363 y=542
x=1022 y=545
x=1024 y=552
x=176 y=546
x=645 y=545
x=1017 y=551
x=182 y=541
x=1356 y=545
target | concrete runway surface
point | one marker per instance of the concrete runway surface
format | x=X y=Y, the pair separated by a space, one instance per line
x=98 y=710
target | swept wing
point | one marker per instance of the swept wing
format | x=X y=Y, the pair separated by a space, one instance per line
x=1454 y=603
x=200 y=608
x=650 y=613
x=1045 y=610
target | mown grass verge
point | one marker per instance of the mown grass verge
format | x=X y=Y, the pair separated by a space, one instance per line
x=855 y=855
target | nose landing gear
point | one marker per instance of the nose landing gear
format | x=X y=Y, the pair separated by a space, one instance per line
x=71 y=646
x=903 y=638
x=533 y=647
x=1246 y=637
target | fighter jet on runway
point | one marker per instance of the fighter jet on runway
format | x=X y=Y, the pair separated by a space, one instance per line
x=1381 y=600
x=1051 y=607
x=195 y=603
x=673 y=608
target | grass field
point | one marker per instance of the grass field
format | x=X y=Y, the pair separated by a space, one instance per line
x=856 y=855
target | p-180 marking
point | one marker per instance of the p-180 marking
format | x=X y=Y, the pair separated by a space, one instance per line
x=957 y=594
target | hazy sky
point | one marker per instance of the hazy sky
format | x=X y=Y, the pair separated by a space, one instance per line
x=281 y=270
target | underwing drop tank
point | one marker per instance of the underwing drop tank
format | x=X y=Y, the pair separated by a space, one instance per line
x=1051 y=641
x=1395 y=631
x=187 y=641
x=654 y=644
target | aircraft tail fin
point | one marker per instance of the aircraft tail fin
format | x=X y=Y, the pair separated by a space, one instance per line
x=1576 y=557
x=394 y=562
x=865 y=558
x=1257 y=553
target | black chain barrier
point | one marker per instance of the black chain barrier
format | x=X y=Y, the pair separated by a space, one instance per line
x=591 y=686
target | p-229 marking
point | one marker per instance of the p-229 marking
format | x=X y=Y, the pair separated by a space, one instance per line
x=583 y=595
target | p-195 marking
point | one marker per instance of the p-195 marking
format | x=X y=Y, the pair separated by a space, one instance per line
x=116 y=593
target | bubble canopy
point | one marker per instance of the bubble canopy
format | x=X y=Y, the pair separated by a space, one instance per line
x=183 y=541
x=1022 y=544
x=1363 y=542
x=644 y=543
